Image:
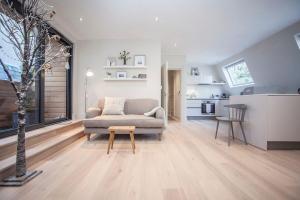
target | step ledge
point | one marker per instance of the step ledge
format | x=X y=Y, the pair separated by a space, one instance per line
x=35 y=133
x=31 y=153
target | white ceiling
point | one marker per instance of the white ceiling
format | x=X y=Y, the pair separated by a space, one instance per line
x=206 y=31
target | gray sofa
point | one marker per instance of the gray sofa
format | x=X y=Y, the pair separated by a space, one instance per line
x=134 y=110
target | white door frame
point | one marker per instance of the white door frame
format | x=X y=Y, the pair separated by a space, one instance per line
x=164 y=88
x=177 y=95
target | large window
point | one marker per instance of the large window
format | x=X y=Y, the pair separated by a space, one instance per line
x=49 y=98
x=237 y=74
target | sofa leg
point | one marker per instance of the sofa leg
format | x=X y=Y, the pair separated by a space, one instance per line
x=159 y=136
x=88 y=136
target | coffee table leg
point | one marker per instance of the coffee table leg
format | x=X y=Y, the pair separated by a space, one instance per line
x=113 y=139
x=109 y=141
x=132 y=141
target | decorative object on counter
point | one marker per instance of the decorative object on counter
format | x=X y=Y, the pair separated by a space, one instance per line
x=121 y=75
x=195 y=71
x=248 y=91
x=124 y=55
x=111 y=61
x=191 y=93
x=142 y=76
x=134 y=76
x=225 y=96
x=108 y=74
x=139 y=60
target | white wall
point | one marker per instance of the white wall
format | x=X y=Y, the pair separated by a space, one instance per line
x=274 y=63
x=202 y=91
x=93 y=54
x=174 y=61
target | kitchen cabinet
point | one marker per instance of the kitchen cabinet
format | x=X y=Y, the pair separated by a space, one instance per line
x=271 y=120
x=193 y=107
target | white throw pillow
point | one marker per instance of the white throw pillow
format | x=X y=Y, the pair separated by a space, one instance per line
x=113 y=106
x=152 y=112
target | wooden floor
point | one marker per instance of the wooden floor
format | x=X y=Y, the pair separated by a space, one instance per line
x=187 y=164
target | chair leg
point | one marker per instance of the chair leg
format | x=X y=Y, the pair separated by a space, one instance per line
x=231 y=124
x=245 y=140
x=217 y=129
x=229 y=130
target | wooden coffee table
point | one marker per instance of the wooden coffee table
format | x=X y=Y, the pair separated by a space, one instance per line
x=120 y=129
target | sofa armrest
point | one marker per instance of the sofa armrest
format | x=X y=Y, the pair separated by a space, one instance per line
x=92 y=112
x=161 y=114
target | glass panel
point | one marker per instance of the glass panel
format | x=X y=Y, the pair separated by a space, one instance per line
x=8 y=107
x=238 y=74
x=55 y=88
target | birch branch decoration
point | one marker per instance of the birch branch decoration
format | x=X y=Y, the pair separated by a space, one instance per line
x=28 y=32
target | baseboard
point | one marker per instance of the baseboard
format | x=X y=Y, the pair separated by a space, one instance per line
x=283 y=145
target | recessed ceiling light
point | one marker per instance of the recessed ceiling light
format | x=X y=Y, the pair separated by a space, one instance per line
x=81 y=19
x=156 y=19
x=175 y=44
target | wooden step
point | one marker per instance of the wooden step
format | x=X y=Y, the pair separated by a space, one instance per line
x=8 y=145
x=41 y=151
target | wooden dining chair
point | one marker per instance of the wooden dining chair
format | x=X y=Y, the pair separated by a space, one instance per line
x=236 y=114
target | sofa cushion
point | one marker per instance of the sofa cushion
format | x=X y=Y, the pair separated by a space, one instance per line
x=134 y=106
x=139 y=106
x=139 y=121
x=113 y=106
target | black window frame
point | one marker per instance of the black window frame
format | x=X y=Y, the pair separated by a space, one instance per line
x=41 y=87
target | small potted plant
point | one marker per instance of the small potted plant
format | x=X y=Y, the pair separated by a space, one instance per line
x=124 y=55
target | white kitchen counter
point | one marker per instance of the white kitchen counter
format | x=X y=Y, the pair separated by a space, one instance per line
x=271 y=120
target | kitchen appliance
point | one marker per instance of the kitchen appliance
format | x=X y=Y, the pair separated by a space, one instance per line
x=208 y=107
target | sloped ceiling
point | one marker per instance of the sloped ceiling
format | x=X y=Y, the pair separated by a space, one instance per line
x=206 y=31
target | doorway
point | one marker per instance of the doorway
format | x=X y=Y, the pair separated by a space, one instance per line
x=174 y=94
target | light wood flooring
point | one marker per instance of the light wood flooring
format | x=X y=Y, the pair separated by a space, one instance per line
x=187 y=164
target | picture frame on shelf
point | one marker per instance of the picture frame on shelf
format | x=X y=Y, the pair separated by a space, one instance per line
x=121 y=75
x=111 y=61
x=142 y=76
x=140 y=60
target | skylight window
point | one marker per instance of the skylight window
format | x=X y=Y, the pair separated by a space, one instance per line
x=237 y=74
x=297 y=38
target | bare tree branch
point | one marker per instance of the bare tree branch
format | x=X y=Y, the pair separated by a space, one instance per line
x=10 y=78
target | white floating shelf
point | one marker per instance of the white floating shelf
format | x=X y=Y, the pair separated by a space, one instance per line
x=125 y=67
x=125 y=79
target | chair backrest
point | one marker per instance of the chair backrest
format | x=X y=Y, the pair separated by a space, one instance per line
x=236 y=111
